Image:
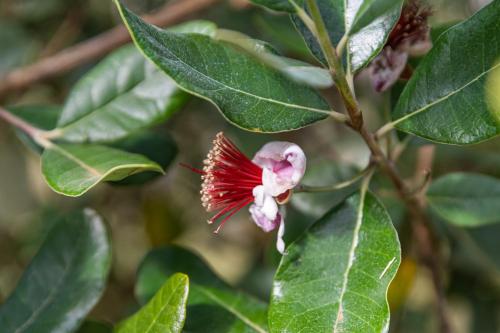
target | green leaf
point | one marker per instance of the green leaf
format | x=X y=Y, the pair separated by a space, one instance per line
x=160 y=264
x=166 y=312
x=298 y=71
x=278 y=5
x=366 y=23
x=64 y=280
x=159 y=147
x=445 y=100
x=335 y=277
x=466 y=199
x=94 y=327
x=73 y=170
x=212 y=306
x=121 y=95
x=248 y=93
x=321 y=174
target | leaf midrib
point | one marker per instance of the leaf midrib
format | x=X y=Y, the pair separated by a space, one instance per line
x=73 y=158
x=176 y=58
x=230 y=309
x=106 y=103
x=444 y=98
x=352 y=256
x=63 y=130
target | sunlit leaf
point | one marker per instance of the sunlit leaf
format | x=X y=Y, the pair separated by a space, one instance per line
x=121 y=95
x=445 y=100
x=366 y=25
x=212 y=305
x=166 y=312
x=248 y=93
x=73 y=170
x=335 y=277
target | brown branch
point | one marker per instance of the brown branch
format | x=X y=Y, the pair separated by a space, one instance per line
x=94 y=48
x=428 y=252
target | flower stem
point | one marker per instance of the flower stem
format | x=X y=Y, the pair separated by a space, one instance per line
x=334 y=187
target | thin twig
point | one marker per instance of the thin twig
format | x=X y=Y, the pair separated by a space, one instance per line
x=334 y=187
x=94 y=48
x=18 y=123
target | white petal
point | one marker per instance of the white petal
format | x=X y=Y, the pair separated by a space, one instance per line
x=265 y=202
x=280 y=243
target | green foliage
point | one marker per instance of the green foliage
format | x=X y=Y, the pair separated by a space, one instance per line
x=466 y=199
x=279 y=5
x=230 y=79
x=64 y=280
x=445 y=98
x=121 y=95
x=165 y=312
x=364 y=24
x=73 y=170
x=212 y=306
x=337 y=274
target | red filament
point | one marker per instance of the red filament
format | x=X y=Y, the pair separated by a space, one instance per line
x=228 y=180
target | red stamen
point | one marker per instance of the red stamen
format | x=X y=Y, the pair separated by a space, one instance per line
x=229 y=178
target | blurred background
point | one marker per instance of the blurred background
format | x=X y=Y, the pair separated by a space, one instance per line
x=167 y=210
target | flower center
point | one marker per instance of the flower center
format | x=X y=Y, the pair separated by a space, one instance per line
x=228 y=180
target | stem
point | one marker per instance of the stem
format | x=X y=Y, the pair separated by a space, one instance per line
x=336 y=68
x=334 y=187
x=33 y=132
x=94 y=48
x=421 y=226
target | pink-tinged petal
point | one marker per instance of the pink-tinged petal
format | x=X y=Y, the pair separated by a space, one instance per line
x=387 y=67
x=283 y=164
x=262 y=221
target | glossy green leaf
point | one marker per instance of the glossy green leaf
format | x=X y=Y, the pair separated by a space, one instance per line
x=321 y=174
x=73 y=170
x=366 y=23
x=335 y=277
x=248 y=93
x=166 y=312
x=445 y=100
x=158 y=147
x=64 y=280
x=298 y=71
x=121 y=95
x=466 y=199
x=212 y=306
